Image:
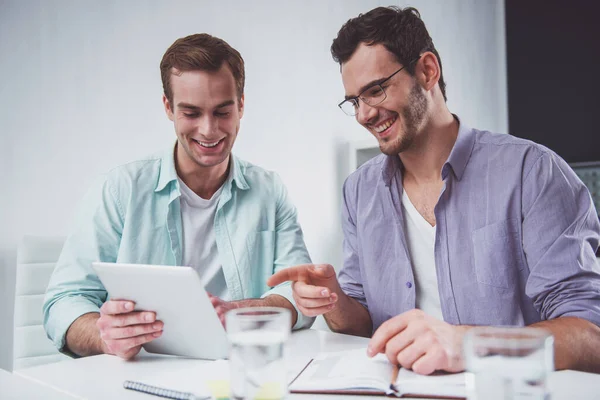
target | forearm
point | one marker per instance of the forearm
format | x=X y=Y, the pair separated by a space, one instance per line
x=83 y=337
x=273 y=300
x=576 y=343
x=349 y=317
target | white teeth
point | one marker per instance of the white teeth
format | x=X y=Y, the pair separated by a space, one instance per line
x=384 y=126
x=204 y=144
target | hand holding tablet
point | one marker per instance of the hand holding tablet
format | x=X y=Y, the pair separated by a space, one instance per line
x=124 y=331
x=176 y=297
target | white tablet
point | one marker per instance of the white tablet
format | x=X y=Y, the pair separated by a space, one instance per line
x=191 y=325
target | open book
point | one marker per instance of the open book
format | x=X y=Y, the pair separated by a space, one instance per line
x=353 y=372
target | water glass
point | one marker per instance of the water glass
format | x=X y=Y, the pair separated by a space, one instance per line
x=257 y=339
x=508 y=363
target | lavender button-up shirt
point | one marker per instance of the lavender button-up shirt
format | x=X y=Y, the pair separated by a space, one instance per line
x=515 y=242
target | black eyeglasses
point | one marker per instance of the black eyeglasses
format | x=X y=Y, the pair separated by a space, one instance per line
x=373 y=95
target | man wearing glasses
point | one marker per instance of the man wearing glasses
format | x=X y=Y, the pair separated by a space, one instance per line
x=451 y=227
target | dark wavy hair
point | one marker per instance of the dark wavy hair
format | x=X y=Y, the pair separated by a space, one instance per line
x=400 y=30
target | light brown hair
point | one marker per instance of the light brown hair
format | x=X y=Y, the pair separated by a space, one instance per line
x=201 y=52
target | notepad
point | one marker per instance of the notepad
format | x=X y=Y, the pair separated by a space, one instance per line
x=162 y=392
x=206 y=378
x=353 y=372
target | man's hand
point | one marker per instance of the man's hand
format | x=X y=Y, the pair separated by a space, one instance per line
x=315 y=287
x=274 y=300
x=420 y=342
x=222 y=306
x=124 y=331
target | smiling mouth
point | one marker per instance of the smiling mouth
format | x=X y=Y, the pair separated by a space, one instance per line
x=382 y=127
x=208 y=145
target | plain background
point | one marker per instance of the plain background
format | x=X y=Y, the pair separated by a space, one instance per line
x=80 y=93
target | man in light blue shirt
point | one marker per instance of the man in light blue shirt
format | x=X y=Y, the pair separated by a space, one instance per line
x=452 y=226
x=195 y=204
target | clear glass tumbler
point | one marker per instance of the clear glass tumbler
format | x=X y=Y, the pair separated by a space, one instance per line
x=508 y=363
x=257 y=338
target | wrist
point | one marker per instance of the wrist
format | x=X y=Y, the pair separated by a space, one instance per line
x=103 y=347
x=342 y=303
x=276 y=300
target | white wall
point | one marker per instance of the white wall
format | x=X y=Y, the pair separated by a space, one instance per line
x=80 y=92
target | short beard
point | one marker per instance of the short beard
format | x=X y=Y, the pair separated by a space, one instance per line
x=412 y=118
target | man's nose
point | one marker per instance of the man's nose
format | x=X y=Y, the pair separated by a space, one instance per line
x=365 y=113
x=207 y=126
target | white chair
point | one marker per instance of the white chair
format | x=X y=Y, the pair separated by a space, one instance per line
x=36 y=259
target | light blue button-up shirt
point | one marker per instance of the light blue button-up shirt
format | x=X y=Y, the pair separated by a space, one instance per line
x=515 y=243
x=133 y=216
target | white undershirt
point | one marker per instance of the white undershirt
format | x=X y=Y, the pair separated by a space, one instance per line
x=199 y=243
x=420 y=237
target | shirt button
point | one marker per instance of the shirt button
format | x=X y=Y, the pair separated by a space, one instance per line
x=408 y=285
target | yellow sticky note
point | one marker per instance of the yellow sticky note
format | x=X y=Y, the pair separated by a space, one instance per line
x=269 y=391
x=219 y=389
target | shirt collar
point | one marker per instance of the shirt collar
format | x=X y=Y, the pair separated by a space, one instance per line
x=457 y=160
x=461 y=151
x=391 y=165
x=168 y=173
x=237 y=173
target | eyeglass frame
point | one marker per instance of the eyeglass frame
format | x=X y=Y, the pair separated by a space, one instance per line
x=354 y=100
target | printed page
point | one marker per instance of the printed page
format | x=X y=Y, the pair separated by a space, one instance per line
x=437 y=384
x=355 y=371
x=346 y=370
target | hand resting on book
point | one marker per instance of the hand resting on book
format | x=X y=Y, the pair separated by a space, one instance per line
x=420 y=342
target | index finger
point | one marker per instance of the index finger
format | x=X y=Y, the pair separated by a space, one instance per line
x=297 y=273
x=117 y=307
x=385 y=332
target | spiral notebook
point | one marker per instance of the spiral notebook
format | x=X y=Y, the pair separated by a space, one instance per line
x=162 y=392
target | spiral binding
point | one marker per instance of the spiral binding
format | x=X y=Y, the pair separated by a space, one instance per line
x=157 y=391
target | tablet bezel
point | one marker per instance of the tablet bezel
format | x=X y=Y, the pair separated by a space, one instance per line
x=191 y=325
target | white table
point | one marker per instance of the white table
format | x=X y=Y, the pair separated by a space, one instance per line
x=13 y=386
x=101 y=377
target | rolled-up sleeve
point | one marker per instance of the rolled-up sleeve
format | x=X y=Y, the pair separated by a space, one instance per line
x=561 y=234
x=74 y=289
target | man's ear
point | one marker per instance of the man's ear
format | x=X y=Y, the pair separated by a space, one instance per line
x=241 y=106
x=168 y=108
x=428 y=70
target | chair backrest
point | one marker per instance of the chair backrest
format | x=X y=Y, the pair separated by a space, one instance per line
x=36 y=259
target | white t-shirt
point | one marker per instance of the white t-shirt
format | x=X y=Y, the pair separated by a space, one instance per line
x=199 y=243
x=420 y=237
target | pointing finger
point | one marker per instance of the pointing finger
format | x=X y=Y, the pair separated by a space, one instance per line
x=297 y=273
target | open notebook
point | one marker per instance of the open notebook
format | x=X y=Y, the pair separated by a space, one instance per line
x=352 y=372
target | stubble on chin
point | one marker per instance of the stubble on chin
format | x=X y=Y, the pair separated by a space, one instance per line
x=397 y=145
x=412 y=118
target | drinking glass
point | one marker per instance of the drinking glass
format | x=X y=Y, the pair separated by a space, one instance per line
x=508 y=363
x=257 y=339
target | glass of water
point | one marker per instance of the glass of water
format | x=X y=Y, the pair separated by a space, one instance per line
x=257 y=339
x=508 y=363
